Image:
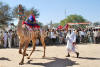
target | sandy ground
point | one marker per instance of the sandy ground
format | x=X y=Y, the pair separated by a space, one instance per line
x=55 y=57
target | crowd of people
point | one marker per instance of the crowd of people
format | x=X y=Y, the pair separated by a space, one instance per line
x=54 y=37
x=9 y=39
x=82 y=36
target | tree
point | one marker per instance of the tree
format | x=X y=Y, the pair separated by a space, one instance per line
x=96 y=23
x=5 y=14
x=56 y=25
x=63 y=22
x=40 y=24
x=35 y=11
x=73 y=19
x=26 y=12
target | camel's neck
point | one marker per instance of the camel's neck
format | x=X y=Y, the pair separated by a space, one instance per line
x=20 y=23
x=19 y=27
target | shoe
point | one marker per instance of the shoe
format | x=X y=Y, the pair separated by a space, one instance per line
x=68 y=56
x=77 y=55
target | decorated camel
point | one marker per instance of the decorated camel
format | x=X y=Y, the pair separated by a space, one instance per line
x=25 y=36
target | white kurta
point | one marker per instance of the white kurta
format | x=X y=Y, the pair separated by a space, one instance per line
x=5 y=39
x=53 y=35
x=70 y=39
x=9 y=39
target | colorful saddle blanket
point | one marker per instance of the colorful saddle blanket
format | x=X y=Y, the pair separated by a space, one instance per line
x=31 y=21
x=33 y=25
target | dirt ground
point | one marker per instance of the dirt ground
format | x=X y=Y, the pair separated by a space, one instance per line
x=55 y=57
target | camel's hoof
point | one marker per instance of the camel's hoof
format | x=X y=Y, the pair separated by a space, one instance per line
x=20 y=52
x=43 y=56
x=28 y=57
x=21 y=63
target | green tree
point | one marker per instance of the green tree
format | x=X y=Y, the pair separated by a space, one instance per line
x=96 y=23
x=63 y=22
x=73 y=19
x=35 y=11
x=56 y=25
x=26 y=12
x=40 y=24
x=5 y=14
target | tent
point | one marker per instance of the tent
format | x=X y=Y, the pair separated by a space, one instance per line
x=78 y=23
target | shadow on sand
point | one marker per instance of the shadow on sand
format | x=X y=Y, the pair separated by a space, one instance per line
x=57 y=62
x=35 y=50
x=3 y=58
x=89 y=58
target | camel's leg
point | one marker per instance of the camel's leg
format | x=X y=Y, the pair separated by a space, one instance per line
x=26 y=46
x=43 y=44
x=34 y=44
x=21 y=45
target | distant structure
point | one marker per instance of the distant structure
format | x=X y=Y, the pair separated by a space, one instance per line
x=51 y=25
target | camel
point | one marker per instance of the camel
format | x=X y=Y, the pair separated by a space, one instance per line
x=25 y=36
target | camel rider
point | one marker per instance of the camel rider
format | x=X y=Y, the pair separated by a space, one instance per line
x=31 y=21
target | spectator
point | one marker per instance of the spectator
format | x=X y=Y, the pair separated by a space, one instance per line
x=53 y=36
x=82 y=34
x=90 y=35
x=95 y=32
x=10 y=38
x=5 y=39
x=15 y=39
x=1 y=39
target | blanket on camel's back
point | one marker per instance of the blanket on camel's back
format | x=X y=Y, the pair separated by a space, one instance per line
x=31 y=26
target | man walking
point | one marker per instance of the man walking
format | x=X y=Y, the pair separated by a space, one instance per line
x=71 y=42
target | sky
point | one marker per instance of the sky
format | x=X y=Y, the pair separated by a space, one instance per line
x=57 y=10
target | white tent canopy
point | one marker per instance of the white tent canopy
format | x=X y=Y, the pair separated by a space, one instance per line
x=78 y=23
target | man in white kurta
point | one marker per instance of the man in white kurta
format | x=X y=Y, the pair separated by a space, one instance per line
x=71 y=42
x=10 y=38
